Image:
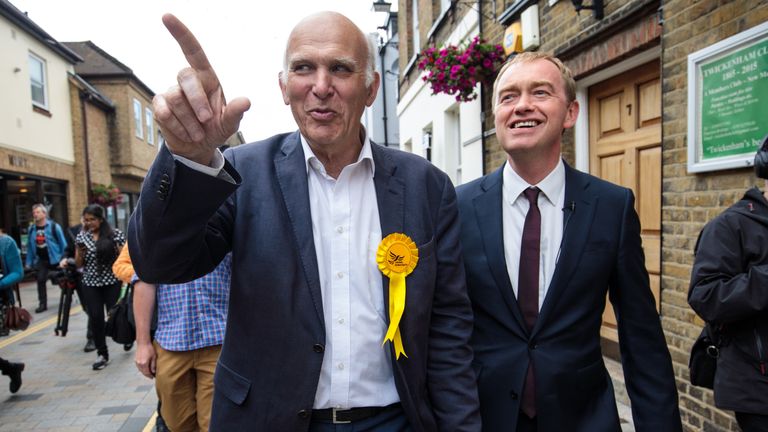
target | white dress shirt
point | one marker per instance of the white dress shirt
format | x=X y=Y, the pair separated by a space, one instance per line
x=515 y=207
x=357 y=369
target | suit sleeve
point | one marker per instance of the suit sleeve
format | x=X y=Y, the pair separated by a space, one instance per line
x=645 y=357
x=722 y=290
x=181 y=228
x=450 y=378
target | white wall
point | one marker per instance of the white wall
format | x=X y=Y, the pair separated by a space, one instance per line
x=419 y=109
x=21 y=128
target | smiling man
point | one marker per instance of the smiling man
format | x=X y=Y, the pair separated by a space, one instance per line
x=543 y=245
x=305 y=215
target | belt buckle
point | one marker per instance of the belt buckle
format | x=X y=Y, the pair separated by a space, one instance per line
x=336 y=421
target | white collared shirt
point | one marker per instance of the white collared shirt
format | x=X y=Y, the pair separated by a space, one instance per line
x=357 y=369
x=515 y=207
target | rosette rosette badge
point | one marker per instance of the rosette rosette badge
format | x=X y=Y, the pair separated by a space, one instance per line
x=396 y=256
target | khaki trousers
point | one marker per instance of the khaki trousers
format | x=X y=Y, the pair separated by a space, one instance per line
x=184 y=385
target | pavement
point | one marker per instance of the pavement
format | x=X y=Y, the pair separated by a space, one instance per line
x=60 y=391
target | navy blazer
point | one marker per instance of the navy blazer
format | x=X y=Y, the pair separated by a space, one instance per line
x=269 y=367
x=600 y=254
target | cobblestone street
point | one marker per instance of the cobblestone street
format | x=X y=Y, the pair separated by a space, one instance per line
x=60 y=391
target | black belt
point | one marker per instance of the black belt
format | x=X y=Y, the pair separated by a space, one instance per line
x=340 y=416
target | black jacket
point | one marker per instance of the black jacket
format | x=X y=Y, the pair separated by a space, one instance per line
x=729 y=286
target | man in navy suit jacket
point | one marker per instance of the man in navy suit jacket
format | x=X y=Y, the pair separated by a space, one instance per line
x=303 y=215
x=537 y=356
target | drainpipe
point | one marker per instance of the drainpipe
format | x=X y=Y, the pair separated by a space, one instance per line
x=382 y=52
x=482 y=110
x=83 y=99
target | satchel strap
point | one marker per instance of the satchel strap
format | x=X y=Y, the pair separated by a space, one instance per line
x=18 y=294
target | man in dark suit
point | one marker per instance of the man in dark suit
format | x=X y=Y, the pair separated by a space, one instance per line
x=313 y=218
x=543 y=244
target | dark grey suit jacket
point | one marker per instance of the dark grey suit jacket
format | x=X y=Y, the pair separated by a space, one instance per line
x=600 y=254
x=270 y=364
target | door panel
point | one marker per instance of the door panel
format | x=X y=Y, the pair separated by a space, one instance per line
x=625 y=148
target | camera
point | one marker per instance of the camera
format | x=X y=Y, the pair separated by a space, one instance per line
x=68 y=277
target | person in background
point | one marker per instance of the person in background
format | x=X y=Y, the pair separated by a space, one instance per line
x=46 y=244
x=123 y=270
x=97 y=248
x=69 y=253
x=191 y=318
x=10 y=274
x=544 y=245
x=729 y=290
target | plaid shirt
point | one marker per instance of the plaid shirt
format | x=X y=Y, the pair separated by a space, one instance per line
x=193 y=315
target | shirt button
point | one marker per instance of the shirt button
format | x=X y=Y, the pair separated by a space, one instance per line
x=339 y=275
x=341 y=320
x=340 y=229
x=318 y=348
x=341 y=366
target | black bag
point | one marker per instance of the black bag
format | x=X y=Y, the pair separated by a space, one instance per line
x=703 y=362
x=119 y=325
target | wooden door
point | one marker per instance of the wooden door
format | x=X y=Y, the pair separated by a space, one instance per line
x=625 y=148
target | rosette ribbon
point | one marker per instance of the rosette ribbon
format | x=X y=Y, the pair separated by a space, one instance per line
x=396 y=256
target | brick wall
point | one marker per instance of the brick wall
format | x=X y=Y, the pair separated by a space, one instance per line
x=690 y=200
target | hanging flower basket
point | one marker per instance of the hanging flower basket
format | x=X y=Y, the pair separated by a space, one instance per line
x=456 y=70
x=105 y=195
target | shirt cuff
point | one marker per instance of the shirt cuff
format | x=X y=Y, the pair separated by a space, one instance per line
x=213 y=170
x=216 y=169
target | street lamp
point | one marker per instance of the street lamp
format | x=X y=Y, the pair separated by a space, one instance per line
x=381 y=6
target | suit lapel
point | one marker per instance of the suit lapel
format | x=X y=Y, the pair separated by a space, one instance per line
x=390 y=197
x=488 y=209
x=291 y=170
x=576 y=227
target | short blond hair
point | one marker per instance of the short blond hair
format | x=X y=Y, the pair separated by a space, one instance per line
x=531 y=56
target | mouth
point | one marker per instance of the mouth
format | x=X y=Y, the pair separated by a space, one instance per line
x=524 y=124
x=322 y=114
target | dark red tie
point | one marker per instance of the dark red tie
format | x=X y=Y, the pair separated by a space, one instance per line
x=528 y=287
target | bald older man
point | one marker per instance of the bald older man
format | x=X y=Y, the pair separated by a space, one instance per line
x=348 y=307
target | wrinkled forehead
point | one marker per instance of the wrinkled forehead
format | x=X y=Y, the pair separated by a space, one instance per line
x=327 y=32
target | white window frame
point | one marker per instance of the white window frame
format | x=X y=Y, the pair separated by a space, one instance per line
x=150 y=126
x=138 y=119
x=44 y=84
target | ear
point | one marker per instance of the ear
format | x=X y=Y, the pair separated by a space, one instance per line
x=373 y=89
x=283 y=88
x=571 y=114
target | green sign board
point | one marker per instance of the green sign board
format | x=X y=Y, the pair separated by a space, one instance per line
x=734 y=102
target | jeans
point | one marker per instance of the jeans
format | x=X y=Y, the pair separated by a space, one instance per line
x=99 y=299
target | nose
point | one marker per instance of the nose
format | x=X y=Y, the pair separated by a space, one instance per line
x=524 y=103
x=323 y=86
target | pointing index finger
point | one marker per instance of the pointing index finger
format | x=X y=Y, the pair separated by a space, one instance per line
x=189 y=46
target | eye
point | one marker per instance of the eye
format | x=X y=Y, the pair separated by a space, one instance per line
x=300 y=67
x=341 y=68
x=541 y=93
x=507 y=97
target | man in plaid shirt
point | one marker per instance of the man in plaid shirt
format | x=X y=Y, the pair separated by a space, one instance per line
x=191 y=318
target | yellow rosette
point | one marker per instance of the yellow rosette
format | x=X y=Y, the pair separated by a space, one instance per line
x=396 y=256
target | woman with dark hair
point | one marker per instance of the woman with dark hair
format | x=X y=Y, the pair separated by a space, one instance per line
x=97 y=248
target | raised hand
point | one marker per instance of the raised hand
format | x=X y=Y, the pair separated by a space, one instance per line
x=194 y=116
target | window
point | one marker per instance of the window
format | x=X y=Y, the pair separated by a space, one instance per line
x=137 y=119
x=150 y=126
x=415 y=26
x=37 y=81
